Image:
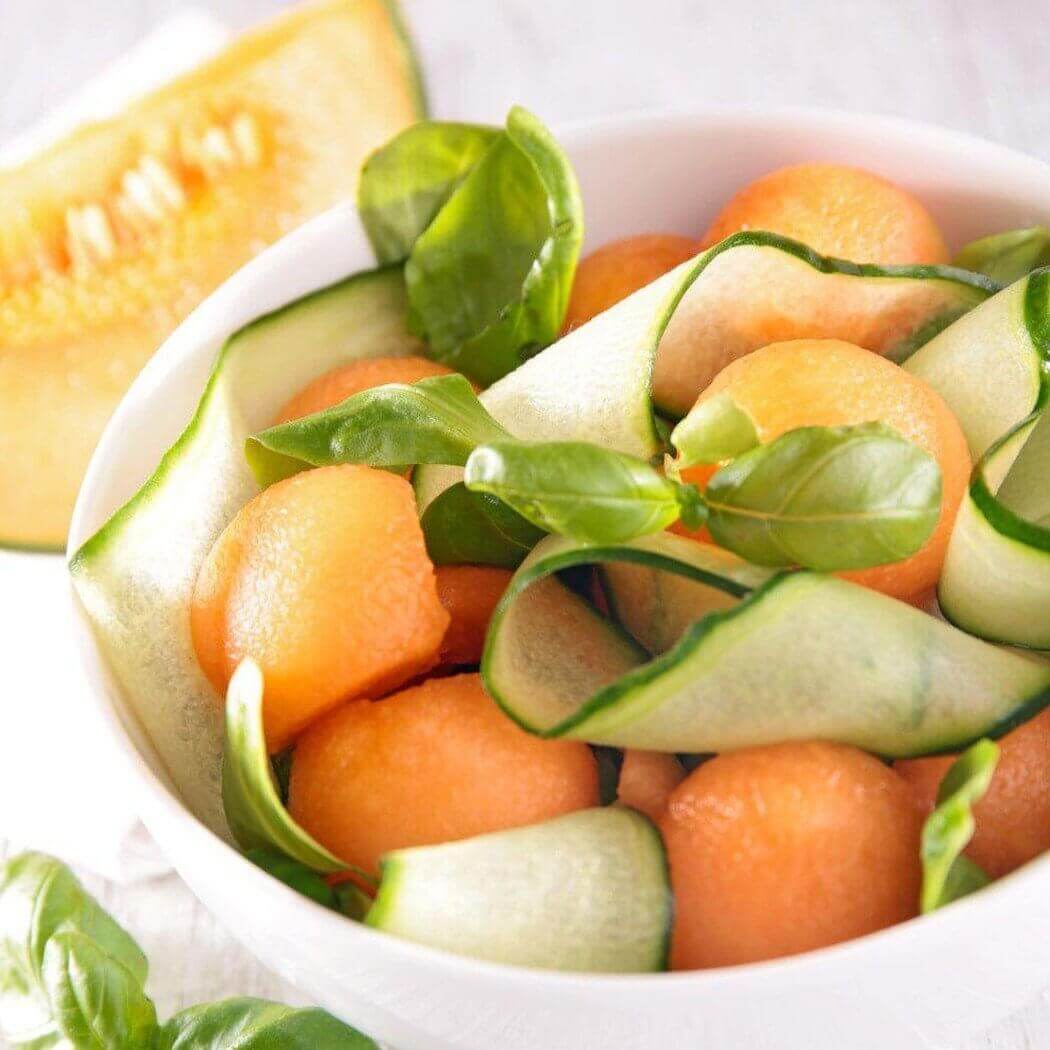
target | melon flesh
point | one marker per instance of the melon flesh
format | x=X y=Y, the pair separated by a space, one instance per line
x=110 y=238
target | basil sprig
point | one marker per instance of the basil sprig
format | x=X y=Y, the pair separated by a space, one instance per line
x=1007 y=257
x=71 y=976
x=580 y=490
x=436 y=420
x=946 y=874
x=825 y=498
x=489 y=223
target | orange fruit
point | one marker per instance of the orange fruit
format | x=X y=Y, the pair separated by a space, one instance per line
x=324 y=580
x=1013 y=818
x=617 y=269
x=826 y=382
x=469 y=594
x=435 y=763
x=647 y=779
x=836 y=210
x=784 y=849
x=349 y=379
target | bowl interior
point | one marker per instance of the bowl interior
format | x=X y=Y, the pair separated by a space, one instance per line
x=642 y=174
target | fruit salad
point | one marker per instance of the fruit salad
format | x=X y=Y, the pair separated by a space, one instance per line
x=681 y=605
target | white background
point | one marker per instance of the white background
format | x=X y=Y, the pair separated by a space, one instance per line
x=982 y=67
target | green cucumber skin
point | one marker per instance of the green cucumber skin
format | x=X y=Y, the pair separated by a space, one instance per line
x=97 y=543
x=1022 y=709
x=381 y=915
x=1013 y=541
x=1037 y=321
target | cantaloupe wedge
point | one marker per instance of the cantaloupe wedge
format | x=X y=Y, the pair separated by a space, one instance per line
x=111 y=237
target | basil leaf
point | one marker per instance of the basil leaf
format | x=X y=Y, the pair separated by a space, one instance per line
x=826 y=498
x=40 y=898
x=294 y=875
x=255 y=1024
x=344 y=897
x=715 y=430
x=98 y=1002
x=590 y=494
x=436 y=420
x=257 y=818
x=489 y=279
x=405 y=183
x=463 y=527
x=1007 y=257
x=946 y=875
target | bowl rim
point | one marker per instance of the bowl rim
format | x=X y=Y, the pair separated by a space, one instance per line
x=159 y=804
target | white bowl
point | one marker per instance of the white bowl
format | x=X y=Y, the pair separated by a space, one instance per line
x=928 y=982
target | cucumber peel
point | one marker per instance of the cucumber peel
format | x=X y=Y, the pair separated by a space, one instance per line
x=996 y=577
x=780 y=663
x=584 y=892
x=992 y=366
x=135 y=576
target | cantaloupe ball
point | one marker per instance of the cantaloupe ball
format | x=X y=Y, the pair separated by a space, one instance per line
x=349 y=379
x=470 y=594
x=836 y=210
x=435 y=763
x=826 y=382
x=647 y=779
x=324 y=580
x=784 y=849
x=617 y=269
x=1013 y=818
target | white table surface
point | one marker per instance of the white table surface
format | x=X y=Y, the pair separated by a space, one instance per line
x=969 y=64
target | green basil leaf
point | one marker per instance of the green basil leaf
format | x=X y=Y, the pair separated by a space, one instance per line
x=946 y=875
x=98 y=1002
x=489 y=279
x=826 y=498
x=255 y=1024
x=463 y=527
x=39 y=898
x=254 y=811
x=1007 y=257
x=295 y=875
x=344 y=897
x=437 y=420
x=405 y=183
x=714 y=431
x=590 y=494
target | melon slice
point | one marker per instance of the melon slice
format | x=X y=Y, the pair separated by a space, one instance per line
x=110 y=238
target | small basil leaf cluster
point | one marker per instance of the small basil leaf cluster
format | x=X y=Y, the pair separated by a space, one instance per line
x=488 y=223
x=71 y=976
x=825 y=498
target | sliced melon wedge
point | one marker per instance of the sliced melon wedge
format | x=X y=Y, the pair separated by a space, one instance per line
x=993 y=366
x=799 y=656
x=584 y=892
x=996 y=577
x=110 y=238
x=598 y=384
x=135 y=576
